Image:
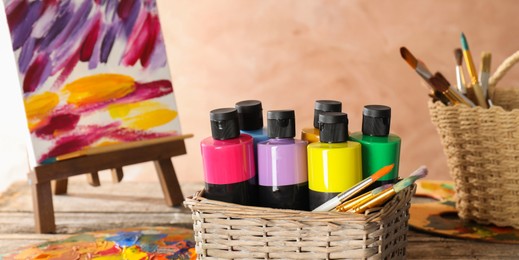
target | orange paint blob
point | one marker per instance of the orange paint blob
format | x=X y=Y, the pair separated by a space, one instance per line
x=99 y=88
x=40 y=105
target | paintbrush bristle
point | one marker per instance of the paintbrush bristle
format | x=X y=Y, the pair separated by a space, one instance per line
x=382 y=171
x=464 y=43
x=408 y=57
x=418 y=174
x=458 y=53
x=439 y=82
x=486 y=57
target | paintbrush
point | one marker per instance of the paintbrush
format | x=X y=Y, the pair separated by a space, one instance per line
x=484 y=74
x=343 y=196
x=416 y=64
x=441 y=84
x=385 y=195
x=345 y=206
x=424 y=72
x=472 y=72
x=460 y=79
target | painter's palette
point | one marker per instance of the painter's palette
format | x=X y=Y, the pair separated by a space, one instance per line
x=440 y=217
x=131 y=243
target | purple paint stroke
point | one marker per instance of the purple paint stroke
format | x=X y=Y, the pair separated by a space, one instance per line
x=16 y=11
x=108 y=42
x=128 y=11
x=77 y=21
x=26 y=55
x=44 y=23
x=23 y=29
x=71 y=45
x=62 y=20
x=110 y=15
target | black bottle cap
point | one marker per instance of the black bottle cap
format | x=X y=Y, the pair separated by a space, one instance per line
x=322 y=106
x=224 y=123
x=250 y=114
x=333 y=127
x=281 y=124
x=376 y=120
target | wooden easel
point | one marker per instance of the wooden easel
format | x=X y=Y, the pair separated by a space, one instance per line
x=112 y=157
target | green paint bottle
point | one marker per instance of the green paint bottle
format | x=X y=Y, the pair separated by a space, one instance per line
x=379 y=147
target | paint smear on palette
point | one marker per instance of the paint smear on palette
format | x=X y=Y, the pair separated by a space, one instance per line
x=132 y=243
x=77 y=59
x=441 y=218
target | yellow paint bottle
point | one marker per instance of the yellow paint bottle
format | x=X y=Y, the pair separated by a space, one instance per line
x=311 y=134
x=334 y=163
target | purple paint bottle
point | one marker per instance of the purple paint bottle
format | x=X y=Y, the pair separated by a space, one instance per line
x=228 y=160
x=282 y=165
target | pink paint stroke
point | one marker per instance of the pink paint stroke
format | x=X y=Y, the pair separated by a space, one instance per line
x=57 y=123
x=80 y=138
x=37 y=73
x=84 y=137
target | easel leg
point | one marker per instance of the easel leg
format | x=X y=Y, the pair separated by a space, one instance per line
x=93 y=179
x=60 y=186
x=43 y=208
x=117 y=175
x=169 y=182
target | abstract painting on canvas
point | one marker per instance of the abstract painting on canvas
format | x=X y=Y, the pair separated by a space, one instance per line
x=92 y=73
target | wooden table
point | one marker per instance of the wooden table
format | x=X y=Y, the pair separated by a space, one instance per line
x=130 y=204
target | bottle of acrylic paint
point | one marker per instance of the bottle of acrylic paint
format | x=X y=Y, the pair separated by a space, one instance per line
x=250 y=115
x=311 y=134
x=379 y=147
x=334 y=163
x=228 y=160
x=283 y=177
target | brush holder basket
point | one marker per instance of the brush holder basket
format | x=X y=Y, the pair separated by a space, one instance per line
x=229 y=231
x=482 y=150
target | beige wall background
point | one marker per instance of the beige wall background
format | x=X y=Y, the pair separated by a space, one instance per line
x=290 y=53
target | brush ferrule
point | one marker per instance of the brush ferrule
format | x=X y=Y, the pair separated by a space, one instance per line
x=460 y=81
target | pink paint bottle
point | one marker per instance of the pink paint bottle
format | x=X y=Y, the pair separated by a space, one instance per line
x=228 y=160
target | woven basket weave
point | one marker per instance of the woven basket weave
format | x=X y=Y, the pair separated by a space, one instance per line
x=482 y=149
x=229 y=231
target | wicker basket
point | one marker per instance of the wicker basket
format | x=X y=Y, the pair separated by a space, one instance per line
x=229 y=231
x=482 y=149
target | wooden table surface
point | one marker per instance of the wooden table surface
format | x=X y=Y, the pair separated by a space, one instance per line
x=130 y=204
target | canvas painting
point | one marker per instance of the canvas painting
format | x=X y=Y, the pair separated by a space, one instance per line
x=92 y=73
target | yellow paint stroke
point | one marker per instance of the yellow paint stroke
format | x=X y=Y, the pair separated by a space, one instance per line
x=142 y=115
x=131 y=109
x=99 y=88
x=40 y=105
x=151 y=119
x=134 y=253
